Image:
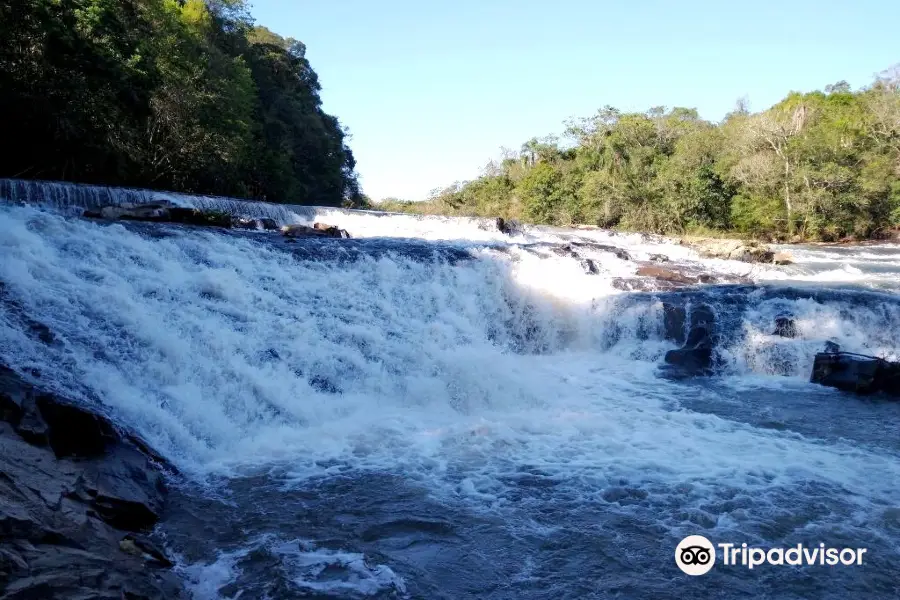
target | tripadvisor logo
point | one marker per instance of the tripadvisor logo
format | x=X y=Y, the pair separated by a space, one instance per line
x=696 y=555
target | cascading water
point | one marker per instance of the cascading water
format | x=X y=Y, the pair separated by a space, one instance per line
x=435 y=410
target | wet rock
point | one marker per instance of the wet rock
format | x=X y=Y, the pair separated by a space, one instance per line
x=125 y=489
x=331 y=231
x=54 y=541
x=674 y=321
x=317 y=230
x=658 y=258
x=785 y=327
x=663 y=274
x=267 y=224
x=620 y=253
x=163 y=213
x=696 y=357
x=508 y=226
x=143 y=547
x=782 y=258
x=590 y=267
x=856 y=373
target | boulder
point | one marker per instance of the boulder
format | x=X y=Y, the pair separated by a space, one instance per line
x=674 y=321
x=508 y=226
x=782 y=258
x=317 y=230
x=590 y=267
x=267 y=224
x=618 y=252
x=331 y=230
x=696 y=356
x=856 y=373
x=658 y=258
x=785 y=327
x=745 y=251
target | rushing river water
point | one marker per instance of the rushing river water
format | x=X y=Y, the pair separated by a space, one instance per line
x=436 y=410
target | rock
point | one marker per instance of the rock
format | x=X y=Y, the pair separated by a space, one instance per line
x=331 y=231
x=590 y=267
x=268 y=224
x=619 y=252
x=674 y=320
x=658 y=258
x=139 y=545
x=317 y=230
x=670 y=275
x=245 y=223
x=696 y=357
x=856 y=373
x=508 y=226
x=54 y=541
x=751 y=251
x=162 y=213
x=125 y=489
x=785 y=327
x=782 y=258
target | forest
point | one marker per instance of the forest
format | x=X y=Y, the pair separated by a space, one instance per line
x=816 y=166
x=183 y=95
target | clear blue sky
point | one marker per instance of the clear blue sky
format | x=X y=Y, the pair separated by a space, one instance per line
x=432 y=89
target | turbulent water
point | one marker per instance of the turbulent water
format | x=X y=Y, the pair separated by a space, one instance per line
x=436 y=410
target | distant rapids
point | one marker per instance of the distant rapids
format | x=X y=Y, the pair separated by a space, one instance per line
x=434 y=409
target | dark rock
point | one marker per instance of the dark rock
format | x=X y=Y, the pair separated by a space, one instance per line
x=618 y=252
x=268 y=224
x=317 y=230
x=508 y=226
x=73 y=430
x=832 y=347
x=856 y=373
x=139 y=545
x=590 y=266
x=565 y=250
x=785 y=327
x=53 y=541
x=245 y=223
x=125 y=489
x=696 y=357
x=658 y=258
x=159 y=212
x=674 y=321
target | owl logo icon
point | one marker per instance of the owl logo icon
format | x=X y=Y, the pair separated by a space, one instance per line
x=695 y=555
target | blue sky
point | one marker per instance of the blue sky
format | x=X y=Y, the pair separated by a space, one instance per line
x=432 y=90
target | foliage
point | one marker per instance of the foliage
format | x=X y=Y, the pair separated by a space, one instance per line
x=822 y=165
x=177 y=94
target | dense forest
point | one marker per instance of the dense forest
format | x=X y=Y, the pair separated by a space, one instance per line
x=818 y=166
x=184 y=95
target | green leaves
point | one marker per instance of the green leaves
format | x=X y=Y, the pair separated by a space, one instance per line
x=167 y=94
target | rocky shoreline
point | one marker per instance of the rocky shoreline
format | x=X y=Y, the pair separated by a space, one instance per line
x=79 y=499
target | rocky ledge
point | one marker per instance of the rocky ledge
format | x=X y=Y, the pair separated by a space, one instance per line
x=745 y=251
x=78 y=498
x=167 y=213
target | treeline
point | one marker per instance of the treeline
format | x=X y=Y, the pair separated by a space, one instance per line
x=823 y=165
x=184 y=95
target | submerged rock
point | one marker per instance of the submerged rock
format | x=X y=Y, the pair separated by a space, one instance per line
x=856 y=373
x=508 y=226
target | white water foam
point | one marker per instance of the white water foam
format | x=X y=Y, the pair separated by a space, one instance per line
x=229 y=355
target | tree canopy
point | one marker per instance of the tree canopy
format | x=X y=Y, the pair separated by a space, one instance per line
x=185 y=95
x=822 y=165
